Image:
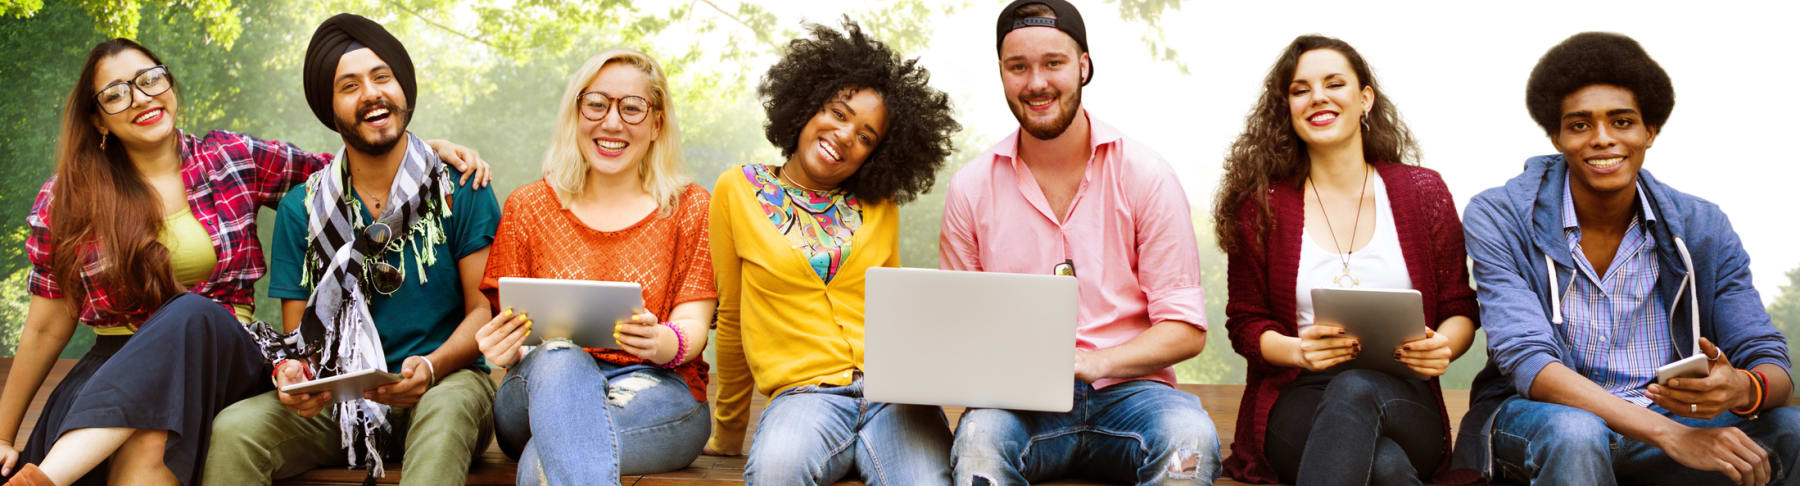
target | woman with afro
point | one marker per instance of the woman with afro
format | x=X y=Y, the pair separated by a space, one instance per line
x=1592 y=275
x=862 y=131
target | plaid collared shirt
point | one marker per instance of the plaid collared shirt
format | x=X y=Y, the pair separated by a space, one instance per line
x=1616 y=324
x=227 y=175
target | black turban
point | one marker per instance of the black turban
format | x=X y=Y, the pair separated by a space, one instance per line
x=331 y=41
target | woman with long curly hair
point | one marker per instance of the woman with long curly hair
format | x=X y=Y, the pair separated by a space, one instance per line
x=147 y=234
x=862 y=131
x=1322 y=190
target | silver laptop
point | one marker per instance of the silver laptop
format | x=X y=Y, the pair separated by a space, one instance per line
x=972 y=339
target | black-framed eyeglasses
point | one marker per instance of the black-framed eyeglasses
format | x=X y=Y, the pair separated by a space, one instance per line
x=1064 y=269
x=594 y=105
x=119 y=95
x=382 y=276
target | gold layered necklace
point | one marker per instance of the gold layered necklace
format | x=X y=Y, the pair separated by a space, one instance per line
x=1344 y=278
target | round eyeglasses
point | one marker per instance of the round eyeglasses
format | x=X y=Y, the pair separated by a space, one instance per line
x=594 y=105
x=119 y=95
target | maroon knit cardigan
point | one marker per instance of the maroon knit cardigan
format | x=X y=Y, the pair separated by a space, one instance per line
x=1262 y=295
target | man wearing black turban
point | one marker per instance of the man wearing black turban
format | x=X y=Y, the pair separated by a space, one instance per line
x=376 y=273
x=339 y=36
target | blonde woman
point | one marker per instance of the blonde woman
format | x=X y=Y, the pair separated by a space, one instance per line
x=612 y=206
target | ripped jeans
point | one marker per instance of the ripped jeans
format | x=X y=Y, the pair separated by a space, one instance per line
x=571 y=419
x=1140 y=432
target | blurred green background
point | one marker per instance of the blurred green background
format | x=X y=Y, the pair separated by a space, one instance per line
x=489 y=75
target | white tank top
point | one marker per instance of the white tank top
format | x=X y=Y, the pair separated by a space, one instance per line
x=1377 y=265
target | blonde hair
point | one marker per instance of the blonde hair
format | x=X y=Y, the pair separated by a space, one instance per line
x=661 y=170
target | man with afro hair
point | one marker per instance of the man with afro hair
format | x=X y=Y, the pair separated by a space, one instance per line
x=1066 y=194
x=1592 y=276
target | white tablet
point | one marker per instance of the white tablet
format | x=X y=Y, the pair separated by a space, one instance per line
x=347 y=386
x=1380 y=319
x=584 y=311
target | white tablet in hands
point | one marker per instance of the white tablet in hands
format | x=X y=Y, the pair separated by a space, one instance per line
x=347 y=386
x=582 y=311
x=1381 y=319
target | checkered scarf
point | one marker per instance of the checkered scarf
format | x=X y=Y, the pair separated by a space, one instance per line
x=337 y=329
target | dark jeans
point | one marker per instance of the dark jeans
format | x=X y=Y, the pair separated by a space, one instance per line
x=1546 y=443
x=1355 y=427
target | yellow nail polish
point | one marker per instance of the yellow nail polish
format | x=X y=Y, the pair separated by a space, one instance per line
x=506 y=312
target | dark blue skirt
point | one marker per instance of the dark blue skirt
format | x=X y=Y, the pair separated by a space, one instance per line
x=186 y=363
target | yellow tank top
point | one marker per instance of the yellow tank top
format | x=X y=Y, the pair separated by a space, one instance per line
x=191 y=258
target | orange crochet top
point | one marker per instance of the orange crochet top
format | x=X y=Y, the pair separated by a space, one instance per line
x=667 y=255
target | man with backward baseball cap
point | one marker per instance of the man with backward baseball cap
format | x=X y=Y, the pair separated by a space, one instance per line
x=1067 y=194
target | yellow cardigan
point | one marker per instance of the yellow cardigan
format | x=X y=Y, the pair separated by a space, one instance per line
x=779 y=325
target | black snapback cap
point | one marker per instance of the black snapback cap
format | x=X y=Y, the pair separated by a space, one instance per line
x=1067 y=20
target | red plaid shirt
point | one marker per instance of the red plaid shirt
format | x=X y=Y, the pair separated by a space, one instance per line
x=228 y=175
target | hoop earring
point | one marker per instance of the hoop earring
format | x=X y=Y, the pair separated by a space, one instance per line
x=1365 y=122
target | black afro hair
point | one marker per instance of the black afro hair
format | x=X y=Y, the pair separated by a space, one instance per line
x=818 y=67
x=1591 y=58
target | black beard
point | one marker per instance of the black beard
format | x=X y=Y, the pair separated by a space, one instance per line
x=1056 y=129
x=346 y=128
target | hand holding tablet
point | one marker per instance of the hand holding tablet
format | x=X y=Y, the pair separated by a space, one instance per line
x=309 y=397
x=1384 y=323
x=582 y=311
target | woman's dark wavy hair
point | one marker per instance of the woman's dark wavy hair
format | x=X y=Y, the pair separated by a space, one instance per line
x=1269 y=151
x=1591 y=58
x=819 y=67
x=101 y=207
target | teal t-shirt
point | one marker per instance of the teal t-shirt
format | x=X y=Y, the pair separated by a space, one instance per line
x=418 y=317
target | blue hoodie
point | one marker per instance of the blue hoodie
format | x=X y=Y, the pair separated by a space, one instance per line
x=1515 y=230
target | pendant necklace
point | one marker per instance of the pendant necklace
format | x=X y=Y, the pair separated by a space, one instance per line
x=1344 y=279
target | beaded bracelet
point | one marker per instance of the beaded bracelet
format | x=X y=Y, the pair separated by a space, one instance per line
x=1758 y=385
x=680 y=346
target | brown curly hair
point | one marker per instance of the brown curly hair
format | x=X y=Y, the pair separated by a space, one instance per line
x=1270 y=152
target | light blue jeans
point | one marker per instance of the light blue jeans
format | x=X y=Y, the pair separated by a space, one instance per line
x=1546 y=443
x=1142 y=432
x=817 y=434
x=571 y=419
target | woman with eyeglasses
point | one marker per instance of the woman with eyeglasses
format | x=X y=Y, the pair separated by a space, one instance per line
x=1323 y=190
x=862 y=131
x=147 y=234
x=613 y=206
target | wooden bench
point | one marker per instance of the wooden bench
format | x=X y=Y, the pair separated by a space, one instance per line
x=494 y=468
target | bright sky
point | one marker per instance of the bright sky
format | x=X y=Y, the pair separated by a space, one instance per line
x=1455 y=70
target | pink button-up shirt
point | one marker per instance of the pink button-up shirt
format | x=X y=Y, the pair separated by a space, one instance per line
x=1128 y=232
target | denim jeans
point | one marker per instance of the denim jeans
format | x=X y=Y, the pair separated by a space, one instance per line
x=1546 y=443
x=571 y=419
x=1355 y=427
x=817 y=434
x=1142 y=432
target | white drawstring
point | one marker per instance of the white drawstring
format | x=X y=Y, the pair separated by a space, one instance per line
x=1555 y=296
x=1693 y=292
